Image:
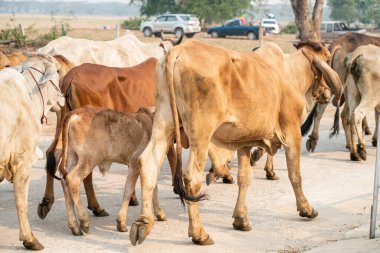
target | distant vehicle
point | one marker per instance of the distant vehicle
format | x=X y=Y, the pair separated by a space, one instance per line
x=331 y=30
x=234 y=27
x=270 y=25
x=179 y=24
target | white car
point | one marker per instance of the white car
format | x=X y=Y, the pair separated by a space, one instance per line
x=270 y=25
x=179 y=24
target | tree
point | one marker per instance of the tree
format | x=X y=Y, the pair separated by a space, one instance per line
x=308 y=25
x=206 y=10
x=366 y=11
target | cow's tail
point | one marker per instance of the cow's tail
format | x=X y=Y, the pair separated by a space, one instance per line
x=178 y=180
x=65 y=134
x=305 y=128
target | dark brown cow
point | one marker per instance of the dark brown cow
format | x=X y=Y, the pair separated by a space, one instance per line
x=120 y=89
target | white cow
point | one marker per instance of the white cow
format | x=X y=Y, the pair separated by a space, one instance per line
x=26 y=94
x=363 y=94
x=125 y=51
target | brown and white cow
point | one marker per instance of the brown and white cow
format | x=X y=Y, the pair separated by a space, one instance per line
x=233 y=101
x=95 y=136
x=120 y=89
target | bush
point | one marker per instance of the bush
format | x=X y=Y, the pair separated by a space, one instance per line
x=290 y=28
x=132 y=24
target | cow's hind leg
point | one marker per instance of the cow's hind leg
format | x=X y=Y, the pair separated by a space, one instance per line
x=129 y=189
x=93 y=204
x=374 y=137
x=366 y=129
x=240 y=215
x=364 y=107
x=270 y=174
x=293 y=153
x=193 y=184
x=149 y=164
x=311 y=143
x=21 y=181
x=72 y=221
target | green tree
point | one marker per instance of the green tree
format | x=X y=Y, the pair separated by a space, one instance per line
x=366 y=11
x=345 y=10
x=206 y=10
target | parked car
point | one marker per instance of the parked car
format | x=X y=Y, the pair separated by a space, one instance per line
x=179 y=24
x=234 y=27
x=331 y=30
x=270 y=25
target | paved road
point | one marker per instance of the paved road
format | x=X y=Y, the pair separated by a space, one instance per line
x=339 y=189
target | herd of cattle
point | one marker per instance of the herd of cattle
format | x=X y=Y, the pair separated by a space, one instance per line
x=129 y=102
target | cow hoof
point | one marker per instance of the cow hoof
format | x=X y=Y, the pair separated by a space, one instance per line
x=374 y=143
x=272 y=177
x=33 y=245
x=228 y=179
x=311 y=144
x=367 y=131
x=362 y=151
x=210 y=177
x=304 y=213
x=121 y=227
x=85 y=229
x=355 y=157
x=161 y=217
x=76 y=231
x=207 y=241
x=140 y=230
x=1 y=179
x=43 y=208
x=256 y=155
x=133 y=202
x=242 y=224
x=101 y=213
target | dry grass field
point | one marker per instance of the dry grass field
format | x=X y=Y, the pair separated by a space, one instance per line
x=90 y=27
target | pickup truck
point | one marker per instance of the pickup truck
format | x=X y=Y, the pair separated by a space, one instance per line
x=234 y=28
x=331 y=30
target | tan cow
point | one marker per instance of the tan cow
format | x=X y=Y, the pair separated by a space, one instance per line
x=11 y=60
x=362 y=95
x=95 y=136
x=233 y=101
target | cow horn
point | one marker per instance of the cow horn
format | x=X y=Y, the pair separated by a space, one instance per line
x=163 y=38
x=331 y=78
x=178 y=40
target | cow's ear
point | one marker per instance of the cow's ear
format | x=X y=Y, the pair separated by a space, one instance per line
x=49 y=75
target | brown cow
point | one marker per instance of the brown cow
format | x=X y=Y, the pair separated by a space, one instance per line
x=120 y=89
x=92 y=137
x=10 y=60
x=233 y=101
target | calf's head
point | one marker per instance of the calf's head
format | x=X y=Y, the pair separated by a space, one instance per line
x=319 y=56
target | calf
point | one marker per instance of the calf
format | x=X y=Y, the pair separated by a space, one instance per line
x=93 y=136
